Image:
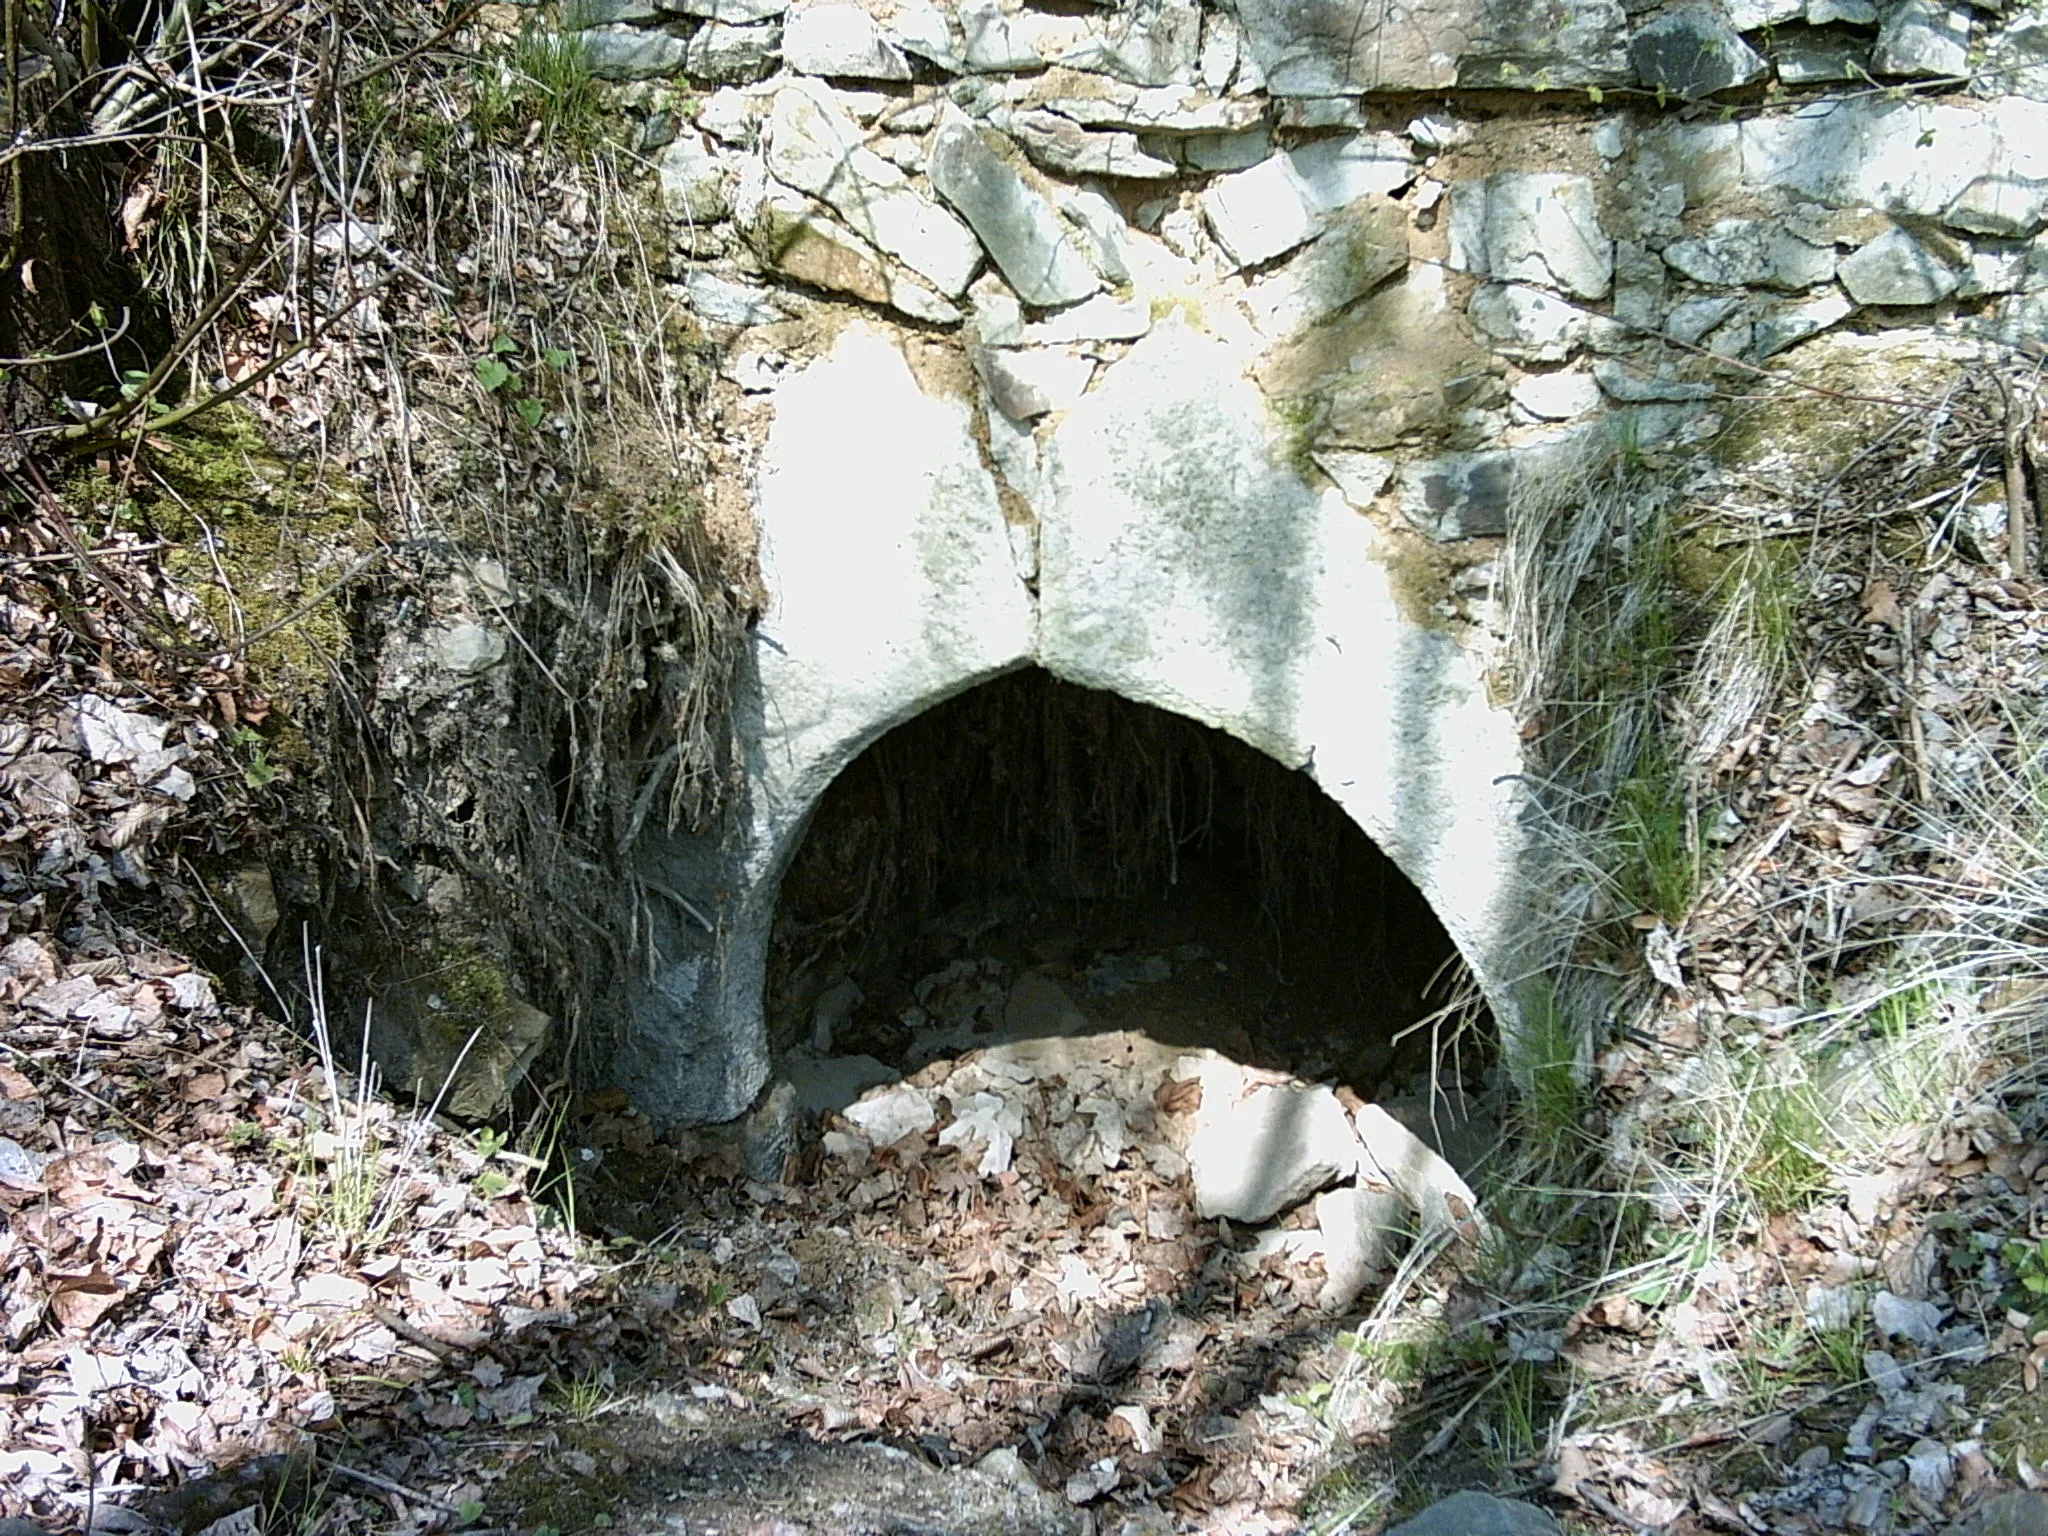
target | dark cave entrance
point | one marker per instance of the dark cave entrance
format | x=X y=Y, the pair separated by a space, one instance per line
x=1037 y=858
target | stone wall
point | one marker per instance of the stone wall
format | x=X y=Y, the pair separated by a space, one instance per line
x=1195 y=353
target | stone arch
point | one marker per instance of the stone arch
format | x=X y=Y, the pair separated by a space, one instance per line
x=1155 y=544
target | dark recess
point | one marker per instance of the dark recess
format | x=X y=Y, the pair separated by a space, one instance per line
x=1070 y=832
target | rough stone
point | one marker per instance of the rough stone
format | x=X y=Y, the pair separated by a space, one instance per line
x=1689 y=52
x=693 y=181
x=1102 y=318
x=1363 y=246
x=1259 y=1148
x=1532 y=227
x=1532 y=324
x=579 y=14
x=1923 y=38
x=468 y=649
x=1912 y=158
x=1149 y=43
x=735 y=13
x=1038 y=1008
x=815 y=147
x=1362 y=1231
x=2021 y=1513
x=1754 y=15
x=1460 y=496
x=1260 y=213
x=886 y=1118
x=841 y=41
x=1692 y=319
x=1619 y=384
x=1102 y=227
x=1816 y=59
x=1360 y=477
x=721 y=301
x=730 y=117
x=1018 y=226
x=1478 y=1514
x=1856 y=13
x=1218 y=152
x=733 y=55
x=629 y=53
x=924 y=30
x=1558 y=396
x=1306 y=113
x=1779 y=326
x=1026 y=384
x=995 y=40
x=2003 y=206
x=810 y=248
x=1335 y=172
x=1752 y=253
x=1061 y=144
x=1896 y=268
x=1329 y=48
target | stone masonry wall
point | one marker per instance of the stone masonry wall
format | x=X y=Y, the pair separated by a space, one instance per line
x=1194 y=351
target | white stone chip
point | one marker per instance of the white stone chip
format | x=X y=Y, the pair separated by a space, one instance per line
x=886 y=1118
x=1258 y=1149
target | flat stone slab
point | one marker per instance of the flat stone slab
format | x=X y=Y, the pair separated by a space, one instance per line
x=1259 y=1148
x=1020 y=228
x=1537 y=227
x=1479 y=1514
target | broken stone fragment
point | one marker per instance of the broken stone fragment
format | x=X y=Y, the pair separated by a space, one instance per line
x=1149 y=43
x=1258 y=1148
x=1690 y=52
x=1362 y=1231
x=629 y=53
x=841 y=41
x=467 y=649
x=1430 y=1185
x=1061 y=144
x=693 y=181
x=736 y=13
x=886 y=1118
x=815 y=146
x=1923 y=39
x=1558 y=396
x=1472 y=1513
x=1896 y=268
x=1363 y=247
x=810 y=248
x=2010 y=207
x=1532 y=227
x=1529 y=323
x=1017 y=225
x=733 y=55
x=1028 y=383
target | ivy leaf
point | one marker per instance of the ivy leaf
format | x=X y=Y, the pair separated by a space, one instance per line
x=500 y=345
x=529 y=410
x=469 y=1511
x=557 y=357
x=492 y=374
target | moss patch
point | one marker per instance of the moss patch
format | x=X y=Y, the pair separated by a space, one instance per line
x=261 y=541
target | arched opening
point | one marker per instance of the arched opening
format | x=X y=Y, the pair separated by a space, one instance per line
x=1032 y=857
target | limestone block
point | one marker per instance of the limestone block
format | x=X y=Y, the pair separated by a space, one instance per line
x=629 y=53
x=1460 y=496
x=1779 y=326
x=1897 y=268
x=1260 y=213
x=1923 y=38
x=1809 y=60
x=815 y=146
x=1753 y=15
x=1903 y=157
x=1532 y=227
x=1558 y=396
x=839 y=40
x=1361 y=249
x=1529 y=323
x=885 y=1118
x=736 y=13
x=995 y=40
x=1102 y=318
x=1362 y=1230
x=1332 y=48
x=1017 y=225
x=1150 y=42
x=693 y=181
x=1690 y=52
x=1435 y=1190
x=1758 y=253
x=2005 y=206
x=733 y=55
x=579 y=14
x=810 y=248
x=1028 y=382
x=721 y=301
x=1259 y=1148
x=1060 y=144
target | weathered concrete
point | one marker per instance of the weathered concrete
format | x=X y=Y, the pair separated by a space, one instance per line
x=1182 y=562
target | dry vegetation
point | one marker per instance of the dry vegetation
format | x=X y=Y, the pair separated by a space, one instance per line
x=1775 y=1183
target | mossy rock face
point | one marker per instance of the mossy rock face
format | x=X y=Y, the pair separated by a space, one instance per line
x=448 y=1016
x=264 y=543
